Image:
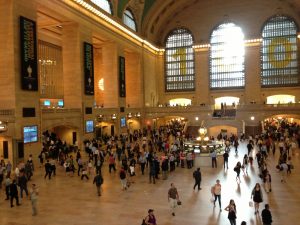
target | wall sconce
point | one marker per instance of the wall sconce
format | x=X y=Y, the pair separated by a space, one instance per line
x=138 y=114
x=100 y=118
x=3 y=126
x=129 y=115
x=113 y=116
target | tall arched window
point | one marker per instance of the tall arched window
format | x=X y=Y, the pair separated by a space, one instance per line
x=279 y=61
x=227 y=56
x=128 y=19
x=103 y=4
x=179 y=61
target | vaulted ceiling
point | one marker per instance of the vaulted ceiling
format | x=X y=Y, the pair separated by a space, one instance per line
x=162 y=16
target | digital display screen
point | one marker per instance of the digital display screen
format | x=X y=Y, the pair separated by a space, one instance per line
x=89 y=126
x=47 y=103
x=30 y=134
x=60 y=103
x=123 y=122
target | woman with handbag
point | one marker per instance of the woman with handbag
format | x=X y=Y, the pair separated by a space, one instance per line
x=257 y=197
x=231 y=208
x=150 y=219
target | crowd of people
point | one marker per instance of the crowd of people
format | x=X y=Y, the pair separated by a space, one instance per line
x=157 y=152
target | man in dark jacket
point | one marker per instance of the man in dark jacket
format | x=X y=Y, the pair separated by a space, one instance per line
x=266 y=215
x=48 y=169
x=13 y=190
x=197 y=177
x=98 y=179
x=22 y=182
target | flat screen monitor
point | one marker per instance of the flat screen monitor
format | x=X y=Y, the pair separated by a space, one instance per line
x=60 y=103
x=89 y=126
x=30 y=134
x=123 y=122
x=47 y=103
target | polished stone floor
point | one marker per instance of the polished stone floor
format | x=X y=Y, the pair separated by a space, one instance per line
x=67 y=200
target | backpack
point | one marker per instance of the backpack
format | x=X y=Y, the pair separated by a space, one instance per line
x=99 y=180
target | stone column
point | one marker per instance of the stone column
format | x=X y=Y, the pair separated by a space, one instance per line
x=252 y=75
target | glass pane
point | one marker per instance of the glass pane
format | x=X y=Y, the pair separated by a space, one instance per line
x=103 y=4
x=128 y=20
x=279 y=62
x=227 y=55
x=179 y=61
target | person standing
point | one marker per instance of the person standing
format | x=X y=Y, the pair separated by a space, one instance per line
x=266 y=215
x=173 y=198
x=257 y=197
x=231 y=208
x=216 y=191
x=226 y=156
x=7 y=185
x=197 y=177
x=236 y=145
x=13 y=191
x=33 y=197
x=213 y=156
x=22 y=182
x=150 y=219
x=98 y=180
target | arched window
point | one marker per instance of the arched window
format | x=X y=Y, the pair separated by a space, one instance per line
x=227 y=57
x=279 y=61
x=128 y=19
x=103 y=4
x=179 y=61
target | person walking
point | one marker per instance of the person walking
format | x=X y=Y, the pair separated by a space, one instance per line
x=111 y=162
x=216 y=192
x=245 y=164
x=142 y=161
x=266 y=215
x=236 y=145
x=123 y=179
x=150 y=219
x=98 y=180
x=257 y=197
x=34 y=197
x=231 y=208
x=173 y=198
x=267 y=182
x=213 y=156
x=197 y=177
x=237 y=169
x=13 y=191
x=249 y=147
x=226 y=156
x=48 y=170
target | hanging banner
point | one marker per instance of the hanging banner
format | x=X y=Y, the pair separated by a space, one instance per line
x=88 y=69
x=29 y=74
x=122 y=84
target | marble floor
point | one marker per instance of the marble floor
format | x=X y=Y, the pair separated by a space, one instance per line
x=67 y=200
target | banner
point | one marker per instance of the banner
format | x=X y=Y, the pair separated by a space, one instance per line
x=88 y=69
x=29 y=74
x=122 y=84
